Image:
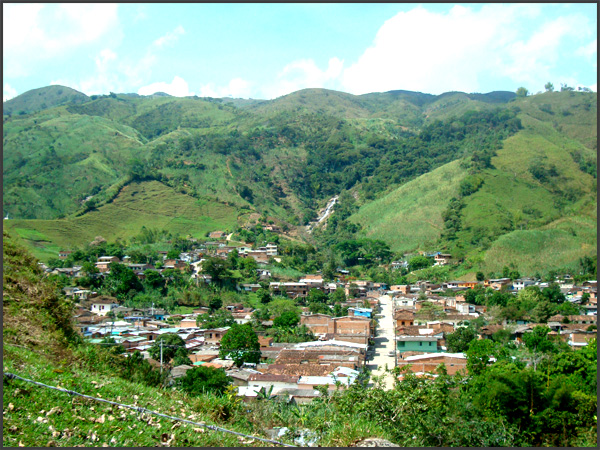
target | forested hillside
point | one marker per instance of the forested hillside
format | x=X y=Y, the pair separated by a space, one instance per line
x=492 y=166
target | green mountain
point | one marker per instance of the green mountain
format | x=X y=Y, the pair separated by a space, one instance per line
x=534 y=206
x=521 y=163
x=43 y=98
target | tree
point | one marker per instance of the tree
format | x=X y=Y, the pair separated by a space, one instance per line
x=263 y=295
x=153 y=279
x=215 y=303
x=317 y=296
x=319 y=308
x=553 y=293
x=181 y=357
x=549 y=87
x=337 y=296
x=288 y=319
x=173 y=254
x=171 y=344
x=241 y=343
x=217 y=269
x=220 y=318
x=200 y=380
x=479 y=354
x=542 y=311
x=419 y=262
x=121 y=280
x=479 y=276
x=522 y=92
x=459 y=340
x=537 y=340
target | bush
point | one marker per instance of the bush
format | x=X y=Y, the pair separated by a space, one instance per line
x=200 y=380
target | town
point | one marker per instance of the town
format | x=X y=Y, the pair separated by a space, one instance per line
x=327 y=332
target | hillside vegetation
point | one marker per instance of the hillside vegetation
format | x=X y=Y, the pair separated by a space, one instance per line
x=138 y=204
x=511 y=164
x=43 y=98
x=532 y=206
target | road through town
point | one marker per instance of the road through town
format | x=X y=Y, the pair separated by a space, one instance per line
x=384 y=342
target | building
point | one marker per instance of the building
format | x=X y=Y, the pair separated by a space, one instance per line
x=421 y=364
x=103 y=305
x=404 y=317
x=441 y=259
x=64 y=254
x=292 y=290
x=426 y=344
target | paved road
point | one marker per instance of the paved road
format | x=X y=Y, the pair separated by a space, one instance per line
x=384 y=342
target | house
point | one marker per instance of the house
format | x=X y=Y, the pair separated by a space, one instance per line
x=260 y=256
x=213 y=336
x=64 y=254
x=401 y=288
x=404 y=317
x=580 y=338
x=313 y=281
x=352 y=358
x=498 y=283
x=451 y=284
x=421 y=364
x=103 y=305
x=487 y=331
x=269 y=249
x=291 y=290
x=188 y=322
x=247 y=287
x=267 y=380
x=522 y=283
x=441 y=259
x=467 y=284
x=175 y=264
x=346 y=328
x=178 y=372
x=426 y=344
x=396 y=265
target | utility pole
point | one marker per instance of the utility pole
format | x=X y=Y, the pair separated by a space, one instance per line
x=161 y=356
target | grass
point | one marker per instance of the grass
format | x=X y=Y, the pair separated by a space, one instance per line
x=410 y=217
x=150 y=204
x=39 y=417
x=557 y=245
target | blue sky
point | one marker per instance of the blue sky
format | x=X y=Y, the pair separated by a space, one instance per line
x=268 y=50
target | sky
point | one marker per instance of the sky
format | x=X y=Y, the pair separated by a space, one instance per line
x=264 y=51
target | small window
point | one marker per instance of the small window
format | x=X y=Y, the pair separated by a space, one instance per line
x=420 y=344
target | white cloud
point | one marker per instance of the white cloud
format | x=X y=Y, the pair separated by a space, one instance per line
x=303 y=74
x=439 y=52
x=178 y=88
x=8 y=92
x=588 y=51
x=170 y=37
x=104 y=58
x=237 y=88
x=34 y=32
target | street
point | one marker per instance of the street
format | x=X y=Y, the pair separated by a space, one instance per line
x=384 y=342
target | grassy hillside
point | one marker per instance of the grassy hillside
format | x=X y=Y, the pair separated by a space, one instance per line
x=535 y=207
x=138 y=204
x=410 y=217
x=43 y=98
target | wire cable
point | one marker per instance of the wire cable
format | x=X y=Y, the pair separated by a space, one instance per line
x=142 y=410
